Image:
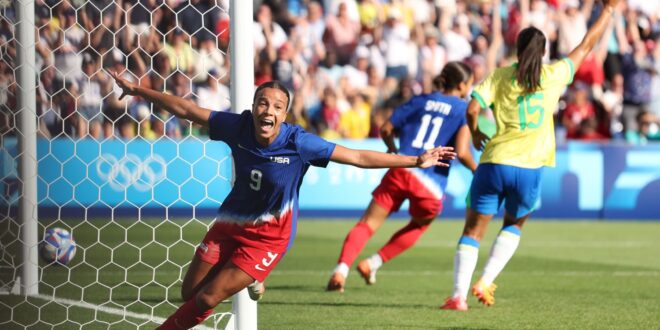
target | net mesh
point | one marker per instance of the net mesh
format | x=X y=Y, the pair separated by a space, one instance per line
x=135 y=186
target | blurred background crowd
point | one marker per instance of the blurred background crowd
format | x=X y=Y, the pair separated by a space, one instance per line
x=349 y=63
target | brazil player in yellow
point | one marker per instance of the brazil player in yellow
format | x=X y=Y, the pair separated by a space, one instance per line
x=523 y=97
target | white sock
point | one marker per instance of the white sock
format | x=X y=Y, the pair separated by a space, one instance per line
x=504 y=247
x=375 y=261
x=465 y=261
x=342 y=269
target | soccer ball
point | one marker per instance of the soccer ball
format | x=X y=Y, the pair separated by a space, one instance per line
x=57 y=246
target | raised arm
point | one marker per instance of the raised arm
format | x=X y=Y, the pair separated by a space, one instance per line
x=375 y=159
x=587 y=7
x=175 y=105
x=497 y=40
x=594 y=34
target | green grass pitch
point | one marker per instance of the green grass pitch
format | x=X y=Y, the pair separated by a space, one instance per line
x=565 y=275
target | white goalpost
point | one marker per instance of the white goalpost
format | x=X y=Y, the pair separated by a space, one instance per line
x=27 y=87
x=242 y=75
x=136 y=197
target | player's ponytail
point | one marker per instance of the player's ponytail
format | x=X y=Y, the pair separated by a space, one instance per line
x=452 y=75
x=530 y=48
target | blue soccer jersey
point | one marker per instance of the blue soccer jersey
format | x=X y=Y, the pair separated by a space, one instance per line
x=425 y=122
x=267 y=179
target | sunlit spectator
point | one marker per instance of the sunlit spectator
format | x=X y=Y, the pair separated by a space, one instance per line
x=267 y=34
x=308 y=33
x=396 y=36
x=66 y=48
x=572 y=23
x=356 y=122
x=341 y=34
x=88 y=91
x=432 y=58
x=209 y=57
x=114 y=108
x=179 y=52
x=212 y=94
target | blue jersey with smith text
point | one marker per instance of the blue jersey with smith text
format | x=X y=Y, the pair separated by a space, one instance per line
x=267 y=179
x=425 y=122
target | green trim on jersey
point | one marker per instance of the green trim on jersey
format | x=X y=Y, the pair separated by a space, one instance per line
x=476 y=95
x=572 y=66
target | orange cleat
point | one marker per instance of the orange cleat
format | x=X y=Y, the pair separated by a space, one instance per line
x=455 y=304
x=336 y=283
x=485 y=293
x=364 y=268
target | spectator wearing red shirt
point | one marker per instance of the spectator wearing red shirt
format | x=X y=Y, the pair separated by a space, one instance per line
x=577 y=110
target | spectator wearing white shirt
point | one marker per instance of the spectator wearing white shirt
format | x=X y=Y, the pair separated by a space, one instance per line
x=332 y=7
x=432 y=58
x=209 y=57
x=572 y=24
x=396 y=36
x=268 y=35
x=212 y=94
x=308 y=33
x=457 y=45
x=67 y=46
x=341 y=34
x=88 y=90
x=357 y=73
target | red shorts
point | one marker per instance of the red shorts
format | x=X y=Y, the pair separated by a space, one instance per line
x=400 y=184
x=254 y=249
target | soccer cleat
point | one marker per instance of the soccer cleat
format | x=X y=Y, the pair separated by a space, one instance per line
x=485 y=293
x=364 y=268
x=455 y=304
x=256 y=290
x=336 y=282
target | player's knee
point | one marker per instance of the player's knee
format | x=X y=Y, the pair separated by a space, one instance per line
x=206 y=300
x=423 y=223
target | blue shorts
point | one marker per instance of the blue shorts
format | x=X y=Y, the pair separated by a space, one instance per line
x=492 y=184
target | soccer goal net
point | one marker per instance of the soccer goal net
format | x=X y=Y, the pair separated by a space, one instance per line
x=136 y=187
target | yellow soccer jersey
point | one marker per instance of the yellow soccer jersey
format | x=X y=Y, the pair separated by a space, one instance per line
x=525 y=134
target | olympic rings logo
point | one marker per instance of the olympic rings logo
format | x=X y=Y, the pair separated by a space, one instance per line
x=131 y=171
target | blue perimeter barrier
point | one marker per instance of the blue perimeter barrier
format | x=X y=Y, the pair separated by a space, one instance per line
x=192 y=177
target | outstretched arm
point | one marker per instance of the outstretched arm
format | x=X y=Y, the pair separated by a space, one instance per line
x=175 y=105
x=375 y=159
x=594 y=34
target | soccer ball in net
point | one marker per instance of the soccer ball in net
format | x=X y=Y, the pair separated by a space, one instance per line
x=57 y=246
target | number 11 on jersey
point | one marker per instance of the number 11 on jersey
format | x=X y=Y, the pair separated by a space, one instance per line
x=423 y=128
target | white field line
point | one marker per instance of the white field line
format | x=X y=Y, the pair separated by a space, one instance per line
x=109 y=310
x=569 y=273
x=427 y=272
x=560 y=244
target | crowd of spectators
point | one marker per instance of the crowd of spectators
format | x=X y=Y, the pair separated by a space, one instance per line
x=349 y=63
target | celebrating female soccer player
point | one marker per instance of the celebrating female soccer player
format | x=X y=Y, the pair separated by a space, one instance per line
x=524 y=97
x=422 y=123
x=254 y=225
